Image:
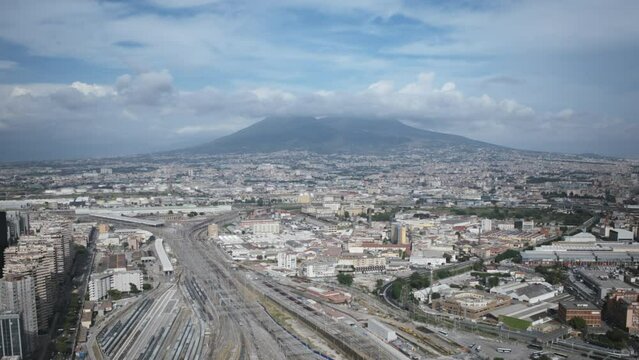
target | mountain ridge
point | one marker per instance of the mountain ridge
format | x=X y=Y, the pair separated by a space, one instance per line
x=332 y=135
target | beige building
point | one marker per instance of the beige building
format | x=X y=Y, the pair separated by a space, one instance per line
x=39 y=262
x=471 y=304
x=213 y=231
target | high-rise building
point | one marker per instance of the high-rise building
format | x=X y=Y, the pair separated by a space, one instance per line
x=399 y=234
x=403 y=236
x=4 y=237
x=10 y=335
x=486 y=225
x=99 y=286
x=39 y=262
x=213 y=231
x=17 y=294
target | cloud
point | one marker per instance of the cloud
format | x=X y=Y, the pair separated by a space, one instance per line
x=147 y=109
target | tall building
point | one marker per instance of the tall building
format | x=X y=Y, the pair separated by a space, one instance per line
x=486 y=225
x=399 y=234
x=4 y=237
x=17 y=294
x=99 y=286
x=623 y=310
x=37 y=261
x=10 y=335
x=403 y=236
x=213 y=231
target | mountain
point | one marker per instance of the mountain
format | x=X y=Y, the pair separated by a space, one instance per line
x=332 y=135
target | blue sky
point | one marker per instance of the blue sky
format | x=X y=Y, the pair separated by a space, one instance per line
x=101 y=78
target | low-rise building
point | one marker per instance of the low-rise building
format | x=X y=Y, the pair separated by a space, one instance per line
x=571 y=309
x=382 y=331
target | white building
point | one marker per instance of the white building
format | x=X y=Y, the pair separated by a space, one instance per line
x=506 y=226
x=582 y=237
x=433 y=256
x=382 y=331
x=99 y=286
x=319 y=269
x=530 y=292
x=122 y=281
x=265 y=227
x=486 y=225
x=287 y=261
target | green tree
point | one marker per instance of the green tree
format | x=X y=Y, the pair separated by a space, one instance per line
x=617 y=335
x=493 y=281
x=134 y=288
x=578 y=323
x=345 y=279
x=147 y=286
x=115 y=294
x=509 y=254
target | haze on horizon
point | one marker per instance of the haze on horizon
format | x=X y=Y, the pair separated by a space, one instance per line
x=103 y=78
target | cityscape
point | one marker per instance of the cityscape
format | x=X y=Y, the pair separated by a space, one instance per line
x=240 y=180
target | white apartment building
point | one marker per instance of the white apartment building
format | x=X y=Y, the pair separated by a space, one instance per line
x=99 y=286
x=287 y=261
x=319 y=269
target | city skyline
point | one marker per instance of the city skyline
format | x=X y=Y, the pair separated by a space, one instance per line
x=96 y=79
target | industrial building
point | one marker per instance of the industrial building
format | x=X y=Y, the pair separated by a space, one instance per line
x=530 y=292
x=603 y=282
x=165 y=262
x=382 y=331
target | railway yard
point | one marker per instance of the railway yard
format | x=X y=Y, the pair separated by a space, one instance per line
x=214 y=308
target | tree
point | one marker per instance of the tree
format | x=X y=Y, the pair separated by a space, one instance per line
x=448 y=257
x=617 y=335
x=347 y=215
x=134 y=288
x=125 y=244
x=435 y=296
x=147 y=286
x=578 y=323
x=345 y=279
x=115 y=294
x=493 y=281
x=509 y=254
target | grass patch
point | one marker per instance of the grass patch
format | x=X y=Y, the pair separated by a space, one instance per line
x=515 y=323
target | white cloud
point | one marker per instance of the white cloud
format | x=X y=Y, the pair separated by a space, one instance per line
x=147 y=107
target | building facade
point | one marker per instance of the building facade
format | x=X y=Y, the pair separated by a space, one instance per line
x=585 y=310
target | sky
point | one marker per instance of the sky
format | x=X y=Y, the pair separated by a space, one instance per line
x=107 y=78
